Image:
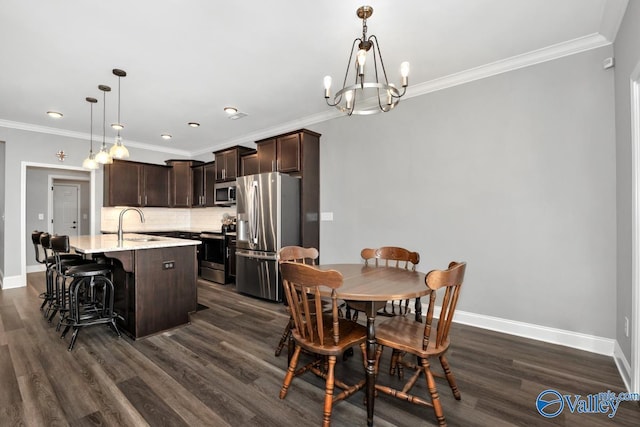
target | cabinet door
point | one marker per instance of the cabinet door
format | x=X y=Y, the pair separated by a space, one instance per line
x=288 y=153
x=122 y=184
x=198 y=185
x=231 y=166
x=156 y=185
x=267 y=156
x=220 y=165
x=249 y=164
x=181 y=184
x=209 y=181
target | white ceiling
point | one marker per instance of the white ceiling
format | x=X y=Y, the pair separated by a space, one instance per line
x=186 y=60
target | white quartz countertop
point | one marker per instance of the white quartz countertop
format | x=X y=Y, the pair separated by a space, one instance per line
x=131 y=242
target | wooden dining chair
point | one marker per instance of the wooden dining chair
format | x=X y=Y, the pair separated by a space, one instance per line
x=409 y=336
x=391 y=256
x=304 y=256
x=324 y=336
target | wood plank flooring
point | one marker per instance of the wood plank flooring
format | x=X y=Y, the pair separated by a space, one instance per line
x=221 y=371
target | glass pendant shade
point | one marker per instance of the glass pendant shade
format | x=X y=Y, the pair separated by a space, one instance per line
x=118 y=150
x=103 y=156
x=90 y=162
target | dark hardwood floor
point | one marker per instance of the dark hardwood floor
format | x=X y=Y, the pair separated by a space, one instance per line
x=221 y=371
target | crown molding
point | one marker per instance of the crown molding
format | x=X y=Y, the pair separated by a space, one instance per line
x=528 y=59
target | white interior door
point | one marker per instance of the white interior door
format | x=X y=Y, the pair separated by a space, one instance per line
x=66 y=209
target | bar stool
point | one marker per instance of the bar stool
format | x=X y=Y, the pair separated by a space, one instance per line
x=89 y=297
x=49 y=260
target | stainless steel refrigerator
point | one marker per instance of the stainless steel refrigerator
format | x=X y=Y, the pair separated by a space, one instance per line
x=268 y=206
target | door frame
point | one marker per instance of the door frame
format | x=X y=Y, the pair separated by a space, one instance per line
x=23 y=205
x=51 y=182
x=635 y=230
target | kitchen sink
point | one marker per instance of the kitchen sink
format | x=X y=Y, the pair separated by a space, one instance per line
x=141 y=239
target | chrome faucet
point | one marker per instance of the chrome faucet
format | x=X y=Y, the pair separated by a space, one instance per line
x=120 y=233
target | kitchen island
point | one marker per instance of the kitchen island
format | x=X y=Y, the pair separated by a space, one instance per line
x=155 y=279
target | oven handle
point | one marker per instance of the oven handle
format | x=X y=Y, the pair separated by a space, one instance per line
x=212 y=236
x=256 y=256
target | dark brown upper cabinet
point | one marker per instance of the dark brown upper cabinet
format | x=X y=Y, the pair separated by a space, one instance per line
x=204 y=177
x=181 y=183
x=227 y=163
x=129 y=183
x=280 y=154
x=249 y=164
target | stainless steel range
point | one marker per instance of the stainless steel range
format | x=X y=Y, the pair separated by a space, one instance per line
x=213 y=256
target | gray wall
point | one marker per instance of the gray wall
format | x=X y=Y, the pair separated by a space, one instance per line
x=627 y=56
x=514 y=174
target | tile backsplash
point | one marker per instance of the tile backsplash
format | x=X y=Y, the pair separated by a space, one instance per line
x=165 y=219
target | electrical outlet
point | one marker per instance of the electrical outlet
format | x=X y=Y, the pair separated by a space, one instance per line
x=168 y=265
x=626 y=327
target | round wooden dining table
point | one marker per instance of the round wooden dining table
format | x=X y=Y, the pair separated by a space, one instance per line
x=368 y=288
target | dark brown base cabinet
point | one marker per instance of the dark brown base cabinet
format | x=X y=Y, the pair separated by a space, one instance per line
x=151 y=297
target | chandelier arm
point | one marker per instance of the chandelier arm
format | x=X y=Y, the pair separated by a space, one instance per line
x=346 y=74
x=377 y=47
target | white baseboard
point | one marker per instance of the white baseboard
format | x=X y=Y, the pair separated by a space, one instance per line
x=12 y=282
x=35 y=268
x=623 y=366
x=572 y=339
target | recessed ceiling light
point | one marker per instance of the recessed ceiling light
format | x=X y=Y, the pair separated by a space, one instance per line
x=194 y=124
x=54 y=114
x=230 y=110
x=165 y=136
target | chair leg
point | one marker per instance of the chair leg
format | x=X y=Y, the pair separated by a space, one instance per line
x=73 y=338
x=290 y=372
x=328 y=392
x=450 y=378
x=433 y=391
x=285 y=337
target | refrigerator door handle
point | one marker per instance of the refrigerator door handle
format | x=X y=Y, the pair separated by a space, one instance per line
x=253 y=255
x=253 y=228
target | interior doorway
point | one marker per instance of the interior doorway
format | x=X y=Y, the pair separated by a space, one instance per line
x=66 y=209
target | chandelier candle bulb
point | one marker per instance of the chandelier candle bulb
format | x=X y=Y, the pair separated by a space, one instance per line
x=404 y=72
x=327 y=86
x=361 y=59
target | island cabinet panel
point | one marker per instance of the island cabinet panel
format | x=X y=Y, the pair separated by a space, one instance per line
x=156 y=289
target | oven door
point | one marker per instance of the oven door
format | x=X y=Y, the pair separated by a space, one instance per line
x=213 y=257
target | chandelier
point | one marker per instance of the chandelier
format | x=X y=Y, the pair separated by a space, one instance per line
x=366 y=97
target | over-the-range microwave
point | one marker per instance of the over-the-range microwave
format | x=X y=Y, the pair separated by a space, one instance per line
x=224 y=193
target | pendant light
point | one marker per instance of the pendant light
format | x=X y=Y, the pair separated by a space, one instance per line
x=90 y=162
x=103 y=155
x=118 y=150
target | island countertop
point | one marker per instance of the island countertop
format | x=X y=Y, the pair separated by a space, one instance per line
x=132 y=242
